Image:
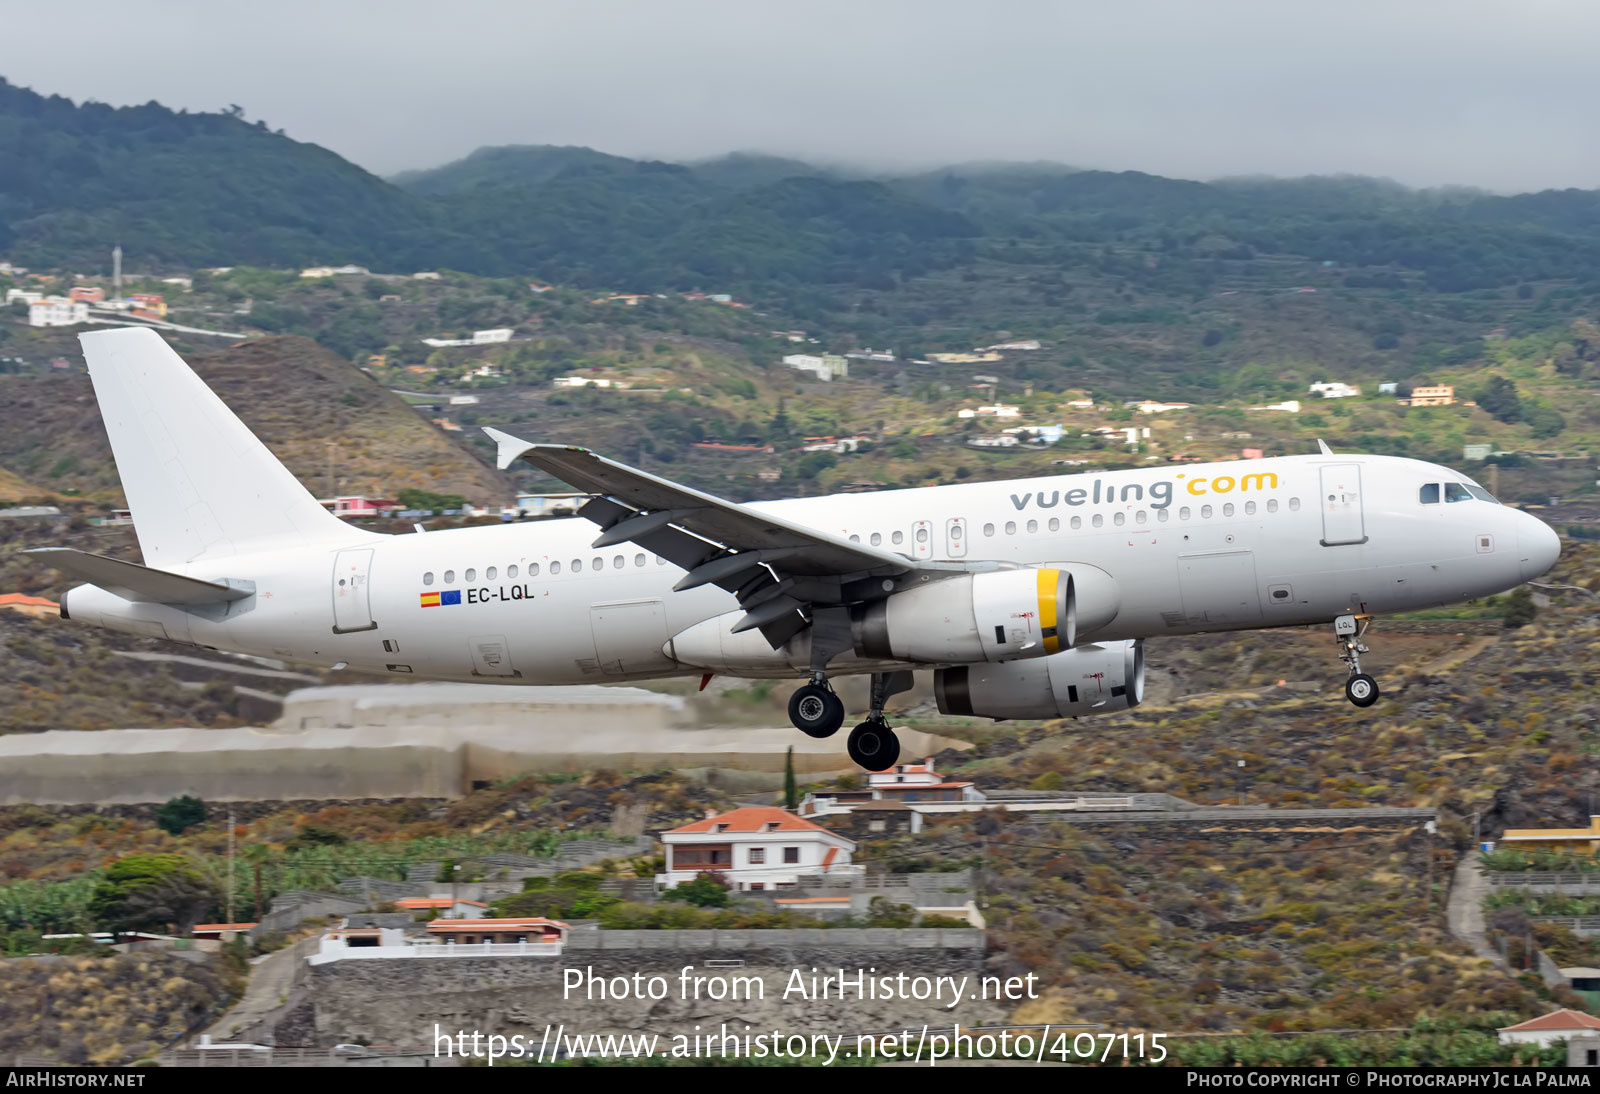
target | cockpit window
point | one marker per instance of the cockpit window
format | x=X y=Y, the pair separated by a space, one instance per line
x=1481 y=494
x=1455 y=491
x=1429 y=494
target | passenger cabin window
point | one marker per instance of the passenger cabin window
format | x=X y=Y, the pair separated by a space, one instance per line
x=1055 y=524
x=898 y=538
x=471 y=575
x=1429 y=494
x=1454 y=491
x=638 y=560
x=1272 y=505
x=1011 y=527
x=1098 y=520
x=488 y=575
x=877 y=538
x=1294 y=505
x=1161 y=515
x=577 y=565
x=1033 y=526
x=449 y=577
x=1077 y=522
x=511 y=570
x=427 y=578
x=533 y=570
x=988 y=529
x=555 y=567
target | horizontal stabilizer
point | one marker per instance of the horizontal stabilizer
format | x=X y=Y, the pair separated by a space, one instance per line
x=133 y=582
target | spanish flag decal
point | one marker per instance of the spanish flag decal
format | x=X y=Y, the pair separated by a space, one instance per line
x=448 y=596
x=430 y=600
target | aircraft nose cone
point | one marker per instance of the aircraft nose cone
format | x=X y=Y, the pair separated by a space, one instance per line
x=1540 y=547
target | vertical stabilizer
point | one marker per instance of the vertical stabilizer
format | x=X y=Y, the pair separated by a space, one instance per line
x=198 y=481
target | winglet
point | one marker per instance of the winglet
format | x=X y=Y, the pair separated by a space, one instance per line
x=509 y=449
x=1322 y=446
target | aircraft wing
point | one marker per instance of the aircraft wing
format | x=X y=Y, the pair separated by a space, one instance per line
x=780 y=570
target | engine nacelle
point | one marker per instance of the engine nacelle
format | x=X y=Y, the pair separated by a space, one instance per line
x=1094 y=679
x=998 y=615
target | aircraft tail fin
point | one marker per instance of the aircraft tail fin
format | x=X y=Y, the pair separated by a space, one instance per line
x=198 y=482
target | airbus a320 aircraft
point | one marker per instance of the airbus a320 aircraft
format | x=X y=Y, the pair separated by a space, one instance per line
x=1028 y=599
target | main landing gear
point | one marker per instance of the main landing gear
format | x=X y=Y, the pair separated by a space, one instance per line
x=817 y=711
x=1360 y=689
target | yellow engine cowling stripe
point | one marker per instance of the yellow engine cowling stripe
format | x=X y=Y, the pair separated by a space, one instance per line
x=1049 y=610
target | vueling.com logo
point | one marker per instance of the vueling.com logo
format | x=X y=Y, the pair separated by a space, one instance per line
x=1158 y=494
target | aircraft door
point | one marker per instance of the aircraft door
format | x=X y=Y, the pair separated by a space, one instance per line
x=955 y=537
x=1342 y=521
x=352 y=609
x=922 y=539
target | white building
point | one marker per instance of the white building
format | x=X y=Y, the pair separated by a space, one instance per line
x=824 y=367
x=1288 y=406
x=1151 y=406
x=1335 y=390
x=463 y=400
x=913 y=785
x=1004 y=440
x=27 y=296
x=1561 y=1025
x=755 y=848
x=1027 y=344
x=998 y=410
x=57 y=311
x=498 y=334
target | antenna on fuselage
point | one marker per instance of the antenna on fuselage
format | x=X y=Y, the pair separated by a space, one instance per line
x=1322 y=446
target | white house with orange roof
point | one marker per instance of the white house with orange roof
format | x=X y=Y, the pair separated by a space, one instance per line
x=756 y=848
x=914 y=785
x=1560 y=1025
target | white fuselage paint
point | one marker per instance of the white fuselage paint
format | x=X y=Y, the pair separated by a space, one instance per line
x=1241 y=545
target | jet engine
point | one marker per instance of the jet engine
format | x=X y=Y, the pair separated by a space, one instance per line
x=1093 y=679
x=997 y=615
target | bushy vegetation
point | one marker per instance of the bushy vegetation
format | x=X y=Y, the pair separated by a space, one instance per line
x=107 y=1008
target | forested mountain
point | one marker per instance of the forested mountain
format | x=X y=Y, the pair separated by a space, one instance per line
x=200 y=189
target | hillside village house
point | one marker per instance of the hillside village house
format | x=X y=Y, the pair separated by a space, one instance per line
x=1438 y=395
x=1566 y=841
x=911 y=785
x=1335 y=390
x=824 y=367
x=36 y=606
x=1561 y=1025
x=755 y=848
x=394 y=936
x=57 y=311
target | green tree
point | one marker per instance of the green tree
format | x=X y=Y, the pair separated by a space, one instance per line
x=180 y=814
x=256 y=856
x=705 y=891
x=1499 y=397
x=1520 y=608
x=151 y=892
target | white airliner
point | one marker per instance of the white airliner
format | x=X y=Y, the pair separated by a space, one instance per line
x=1028 y=599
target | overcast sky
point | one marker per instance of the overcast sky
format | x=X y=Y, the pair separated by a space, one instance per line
x=1494 y=93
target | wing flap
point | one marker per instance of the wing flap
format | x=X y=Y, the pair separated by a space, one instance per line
x=722 y=522
x=134 y=582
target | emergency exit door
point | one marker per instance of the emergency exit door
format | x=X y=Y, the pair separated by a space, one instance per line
x=1342 y=520
x=352 y=609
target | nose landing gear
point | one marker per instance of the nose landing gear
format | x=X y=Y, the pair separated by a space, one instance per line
x=1360 y=689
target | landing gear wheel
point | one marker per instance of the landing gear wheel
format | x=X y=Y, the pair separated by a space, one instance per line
x=1361 y=689
x=873 y=746
x=816 y=711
